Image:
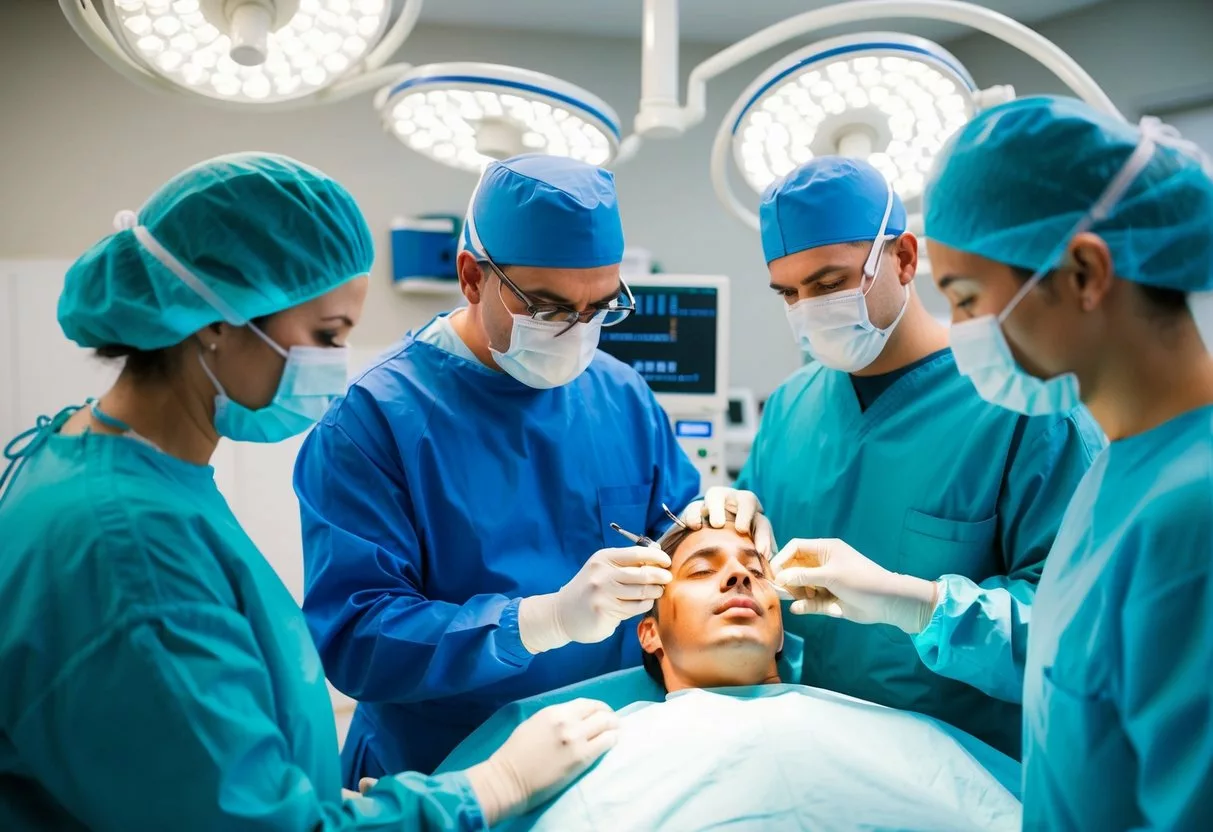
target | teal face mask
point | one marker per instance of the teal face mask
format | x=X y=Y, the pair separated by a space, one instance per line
x=312 y=378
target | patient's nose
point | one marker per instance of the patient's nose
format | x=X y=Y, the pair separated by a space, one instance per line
x=736 y=575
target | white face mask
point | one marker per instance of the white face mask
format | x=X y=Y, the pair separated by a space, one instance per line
x=980 y=347
x=836 y=329
x=540 y=359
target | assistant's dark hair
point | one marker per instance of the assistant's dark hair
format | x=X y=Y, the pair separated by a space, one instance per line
x=669 y=543
x=152 y=365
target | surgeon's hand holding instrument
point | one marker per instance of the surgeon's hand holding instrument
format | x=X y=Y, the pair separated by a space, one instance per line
x=542 y=755
x=612 y=586
x=831 y=578
x=744 y=505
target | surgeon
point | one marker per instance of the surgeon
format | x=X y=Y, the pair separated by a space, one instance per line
x=1068 y=243
x=457 y=502
x=156 y=673
x=880 y=446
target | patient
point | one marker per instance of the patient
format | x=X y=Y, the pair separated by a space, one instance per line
x=710 y=737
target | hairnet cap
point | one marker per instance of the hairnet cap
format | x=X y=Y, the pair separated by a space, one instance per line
x=263 y=232
x=1012 y=184
x=828 y=200
x=547 y=211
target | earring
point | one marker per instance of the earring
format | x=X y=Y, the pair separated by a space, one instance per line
x=213 y=347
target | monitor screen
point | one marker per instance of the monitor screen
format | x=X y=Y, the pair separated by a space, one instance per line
x=670 y=339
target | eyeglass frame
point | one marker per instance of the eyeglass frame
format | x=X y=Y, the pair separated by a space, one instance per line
x=535 y=309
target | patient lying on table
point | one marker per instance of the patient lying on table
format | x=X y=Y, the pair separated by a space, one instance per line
x=710 y=737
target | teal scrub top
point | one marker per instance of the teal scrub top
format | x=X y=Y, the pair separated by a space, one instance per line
x=929 y=480
x=1118 y=689
x=156 y=673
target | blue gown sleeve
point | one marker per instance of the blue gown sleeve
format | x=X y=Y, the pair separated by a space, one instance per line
x=978 y=633
x=380 y=638
x=186 y=696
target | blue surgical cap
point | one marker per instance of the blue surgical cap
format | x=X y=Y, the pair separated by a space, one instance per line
x=262 y=232
x=829 y=200
x=1015 y=181
x=546 y=211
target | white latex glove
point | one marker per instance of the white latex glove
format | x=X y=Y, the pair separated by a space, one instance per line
x=612 y=586
x=828 y=577
x=542 y=755
x=744 y=504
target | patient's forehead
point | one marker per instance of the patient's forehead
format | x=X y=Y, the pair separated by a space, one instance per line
x=726 y=540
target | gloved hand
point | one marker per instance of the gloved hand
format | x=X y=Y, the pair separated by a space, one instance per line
x=744 y=504
x=828 y=577
x=543 y=754
x=612 y=586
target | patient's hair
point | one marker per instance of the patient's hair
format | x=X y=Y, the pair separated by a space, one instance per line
x=669 y=543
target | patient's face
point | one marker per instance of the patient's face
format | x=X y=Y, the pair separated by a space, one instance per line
x=718 y=622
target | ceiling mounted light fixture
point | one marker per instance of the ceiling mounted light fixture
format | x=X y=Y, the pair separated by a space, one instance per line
x=248 y=52
x=466 y=114
x=887 y=97
x=890 y=98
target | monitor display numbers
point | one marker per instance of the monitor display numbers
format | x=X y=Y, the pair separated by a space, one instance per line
x=670 y=339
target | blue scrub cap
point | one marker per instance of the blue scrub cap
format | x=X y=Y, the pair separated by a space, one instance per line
x=828 y=200
x=1015 y=182
x=545 y=211
x=233 y=238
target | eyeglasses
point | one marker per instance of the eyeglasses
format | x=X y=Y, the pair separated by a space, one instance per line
x=608 y=314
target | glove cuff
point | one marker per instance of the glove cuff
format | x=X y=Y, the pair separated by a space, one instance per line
x=498 y=790
x=919 y=599
x=539 y=624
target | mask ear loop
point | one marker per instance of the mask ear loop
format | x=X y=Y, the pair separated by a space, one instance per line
x=1112 y=194
x=869 y=265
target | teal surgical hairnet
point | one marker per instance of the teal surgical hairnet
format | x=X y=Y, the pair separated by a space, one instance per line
x=262 y=232
x=1014 y=182
x=545 y=211
x=826 y=201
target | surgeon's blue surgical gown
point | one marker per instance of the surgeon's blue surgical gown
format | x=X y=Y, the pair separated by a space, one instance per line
x=435 y=496
x=155 y=674
x=927 y=480
x=1118 y=690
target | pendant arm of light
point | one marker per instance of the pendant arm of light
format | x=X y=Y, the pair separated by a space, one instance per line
x=1010 y=31
x=394 y=37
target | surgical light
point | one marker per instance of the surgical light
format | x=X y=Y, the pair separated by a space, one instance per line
x=247 y=52
x=890 y=98
x=467 y=114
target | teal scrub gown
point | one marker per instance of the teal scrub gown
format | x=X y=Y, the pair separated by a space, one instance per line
x=928 y=480
x=156 y=673
x=1118 y=689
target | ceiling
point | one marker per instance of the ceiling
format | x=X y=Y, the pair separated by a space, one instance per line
x=709 y=21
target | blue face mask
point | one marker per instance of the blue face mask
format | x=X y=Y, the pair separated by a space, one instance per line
x=312 y=378
x=980 y=347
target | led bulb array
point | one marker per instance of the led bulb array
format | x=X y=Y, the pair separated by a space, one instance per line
x=320 y=43
x=465 y=120
x=907 y=107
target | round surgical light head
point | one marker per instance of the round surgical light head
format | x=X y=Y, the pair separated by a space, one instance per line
x=248 y=51
x=465 y=115
x=889 y=98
